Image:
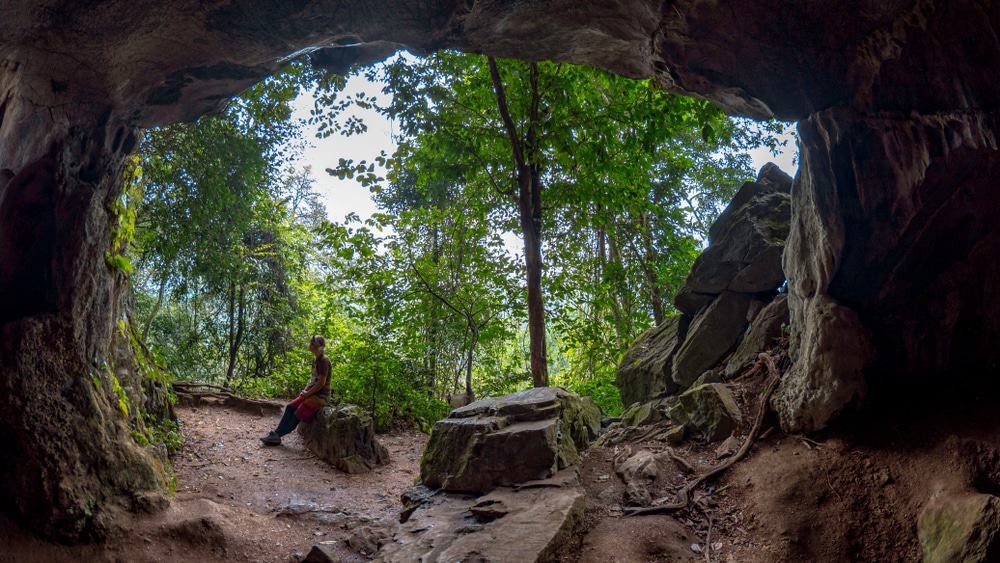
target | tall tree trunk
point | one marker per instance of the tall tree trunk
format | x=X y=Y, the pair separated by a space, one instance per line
x=650 y=259
x=468 y=359
x=529 y=203
x=623 y=321
x=529 y=206
x=156 y=308
x=432 y=332
x=236 y=333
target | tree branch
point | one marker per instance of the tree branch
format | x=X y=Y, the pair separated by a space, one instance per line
x=501 y=95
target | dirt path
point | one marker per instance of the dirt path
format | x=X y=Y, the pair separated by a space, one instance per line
x=237 y=500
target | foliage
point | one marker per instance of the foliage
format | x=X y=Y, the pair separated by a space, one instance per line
x=631 y=179
x=236 y=265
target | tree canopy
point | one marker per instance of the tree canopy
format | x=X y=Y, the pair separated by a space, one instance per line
x=608 y=184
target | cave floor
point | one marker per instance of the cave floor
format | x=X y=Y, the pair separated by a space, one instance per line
x=237 y=500
x=854 y=492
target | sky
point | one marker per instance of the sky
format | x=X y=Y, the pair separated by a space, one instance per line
x=347 y=196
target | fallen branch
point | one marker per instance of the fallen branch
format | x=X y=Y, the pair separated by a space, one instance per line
x=684 y=494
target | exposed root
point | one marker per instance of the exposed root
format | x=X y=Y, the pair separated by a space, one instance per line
x=195 y=394
x=684 y=495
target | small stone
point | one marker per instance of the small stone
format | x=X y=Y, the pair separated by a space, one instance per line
x=637 y=494
x=320 y=554
x=641 y=466
x=675 y=435
x=728 y=447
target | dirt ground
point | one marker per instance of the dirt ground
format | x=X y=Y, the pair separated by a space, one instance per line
x=852 y=493
x=237 y=500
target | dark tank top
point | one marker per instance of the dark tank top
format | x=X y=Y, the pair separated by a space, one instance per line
x=321 y=368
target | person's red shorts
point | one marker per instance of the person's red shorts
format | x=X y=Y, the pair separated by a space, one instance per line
x=306 y=408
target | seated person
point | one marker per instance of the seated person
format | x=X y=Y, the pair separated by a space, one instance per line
x=310 y=400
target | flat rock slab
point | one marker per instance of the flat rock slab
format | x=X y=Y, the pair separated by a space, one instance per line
x=645 y=369
x=344 y=437
x=508 y=440
x=525 y=524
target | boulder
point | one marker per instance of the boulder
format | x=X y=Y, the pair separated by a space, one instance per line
x=711 y=336
x=644 y=413
x=690 y=302
x=344 y=437
x=707 y=411
x=764 y=330
x=508 y=440
x=960 y=526
x=644 y=371
x=529 y=523
x=747 y=240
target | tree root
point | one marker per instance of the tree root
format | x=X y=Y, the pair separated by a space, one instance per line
x=192 y=393
x=684 y=495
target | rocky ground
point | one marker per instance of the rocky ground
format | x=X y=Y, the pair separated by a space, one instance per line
x=239 y=501
x=910 y=484
x=861 y=492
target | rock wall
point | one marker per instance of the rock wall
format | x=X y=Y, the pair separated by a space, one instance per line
x=67 y=461
x=889 y=258
x=891 y=212
x=730 y=284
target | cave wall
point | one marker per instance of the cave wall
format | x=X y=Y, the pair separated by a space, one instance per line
x=67 y=460
x=890 y=259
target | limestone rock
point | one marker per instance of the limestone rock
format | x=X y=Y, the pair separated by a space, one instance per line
x=645 y=369
x=508 y=440
x=764 y=330
x=640 y=466
x=637 y=494
x=524 y=524
x=747 y=239
x=960 y=527
x=366 y=540
x=707 y=411
x=710 y=376
x=838 y=349
x=344 y=437
x=690 y=302
x=675 y=435
x=644 y=414
x=711 y=336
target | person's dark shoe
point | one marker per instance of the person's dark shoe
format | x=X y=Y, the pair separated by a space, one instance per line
x=271 y=439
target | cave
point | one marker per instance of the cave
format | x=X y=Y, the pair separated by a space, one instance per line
x=891 y=262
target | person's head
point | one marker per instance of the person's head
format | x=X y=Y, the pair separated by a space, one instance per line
x=317 y=345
